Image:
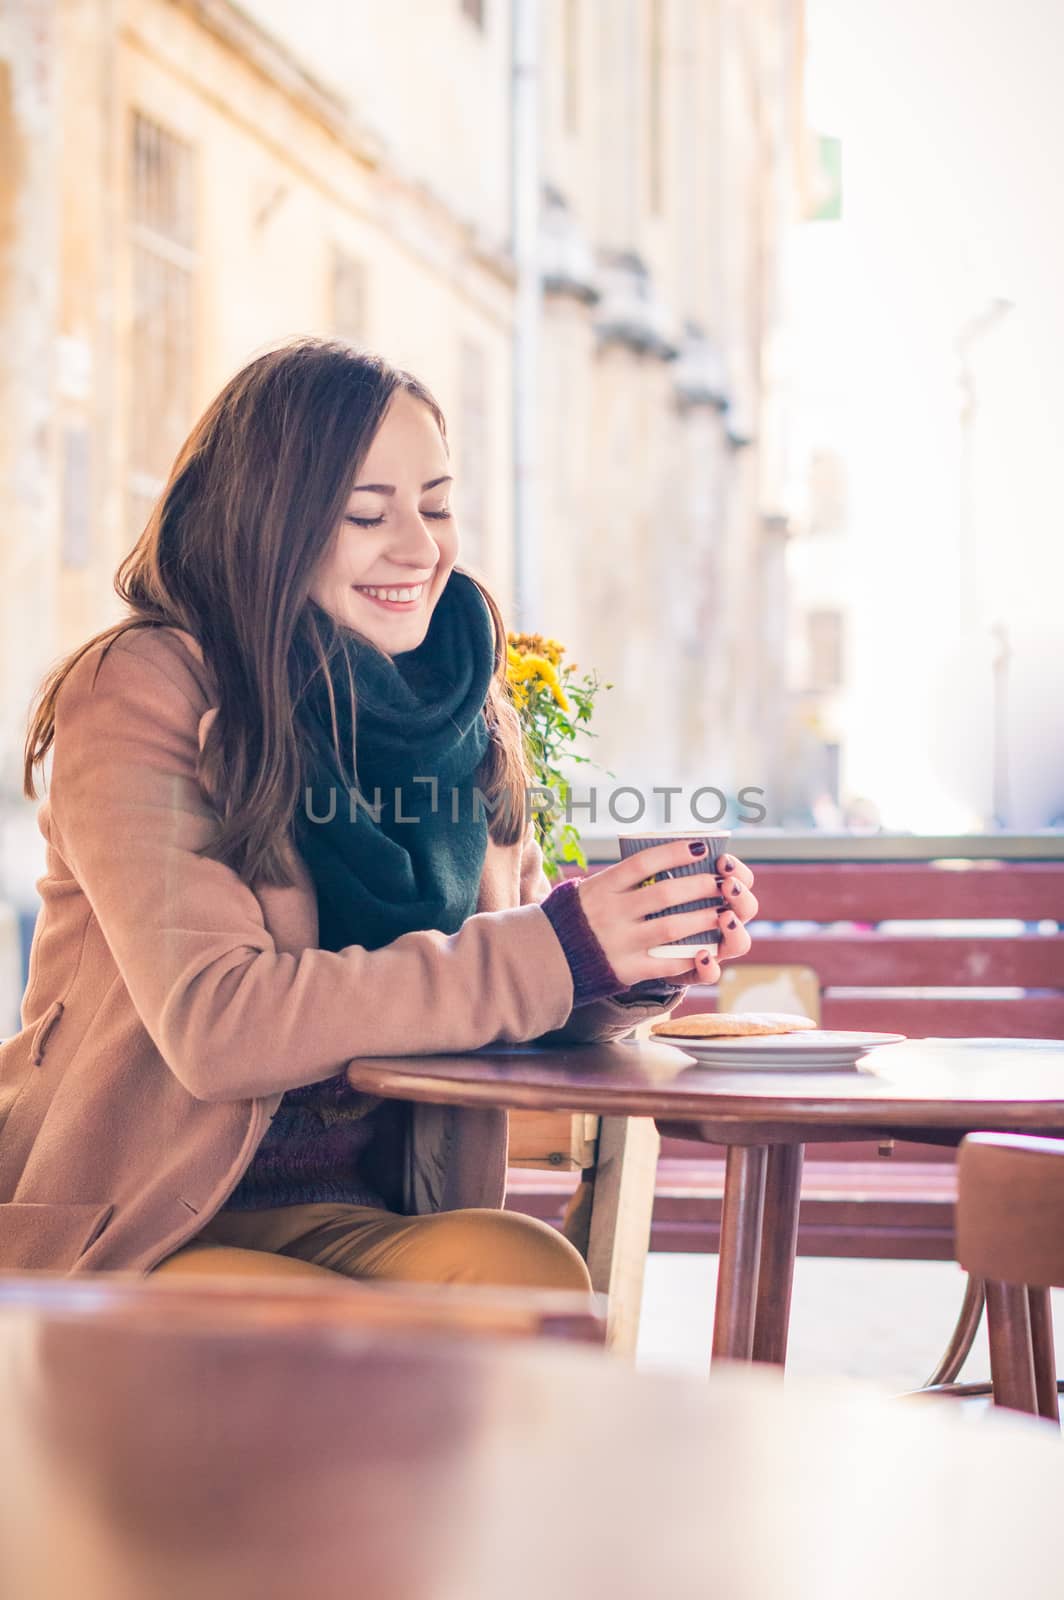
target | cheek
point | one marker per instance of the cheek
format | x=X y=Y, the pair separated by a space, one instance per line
x=448 y=561
x=331 y=565
x=448 y=540
x=354 y=557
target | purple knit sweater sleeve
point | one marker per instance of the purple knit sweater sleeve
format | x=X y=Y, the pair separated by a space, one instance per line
x=593 y=976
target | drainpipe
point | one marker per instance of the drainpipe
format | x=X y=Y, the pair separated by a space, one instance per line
x=524 y=222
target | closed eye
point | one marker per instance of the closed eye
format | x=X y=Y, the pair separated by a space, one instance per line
x=375 y=522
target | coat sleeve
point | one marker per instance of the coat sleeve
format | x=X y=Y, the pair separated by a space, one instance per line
x=608 y=1019
x=232 y=1016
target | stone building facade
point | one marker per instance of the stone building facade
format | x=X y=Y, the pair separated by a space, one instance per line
x=569 y=217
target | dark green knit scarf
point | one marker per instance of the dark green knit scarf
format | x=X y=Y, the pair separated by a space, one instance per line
x=418 y=715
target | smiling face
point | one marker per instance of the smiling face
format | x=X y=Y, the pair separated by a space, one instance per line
x=394 y=549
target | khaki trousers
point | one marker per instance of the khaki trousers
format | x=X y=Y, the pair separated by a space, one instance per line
x=480 y=1246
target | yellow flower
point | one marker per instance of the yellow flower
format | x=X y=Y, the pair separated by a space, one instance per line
x=550 y=677
x=534 y=644
x=522 y=669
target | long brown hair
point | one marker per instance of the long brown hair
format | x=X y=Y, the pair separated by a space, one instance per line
x=252 y=502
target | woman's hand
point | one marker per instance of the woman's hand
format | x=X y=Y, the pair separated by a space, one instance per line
x=740 y=907
x=616 y=908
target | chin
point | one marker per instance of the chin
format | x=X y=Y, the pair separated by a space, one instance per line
x=393 y=636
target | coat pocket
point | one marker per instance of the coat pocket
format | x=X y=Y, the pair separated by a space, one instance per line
x=48 y=1237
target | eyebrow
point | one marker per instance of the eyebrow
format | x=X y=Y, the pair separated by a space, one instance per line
x=389 y=488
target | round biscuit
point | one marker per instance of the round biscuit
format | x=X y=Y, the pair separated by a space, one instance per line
x=732 y=1024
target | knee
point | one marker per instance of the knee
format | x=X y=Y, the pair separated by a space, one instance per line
x=507 y=1248
x=201 y=1258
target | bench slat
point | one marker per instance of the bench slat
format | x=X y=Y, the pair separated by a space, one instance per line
x=877 y=892
x=1032 y=1016
x=1028 y=961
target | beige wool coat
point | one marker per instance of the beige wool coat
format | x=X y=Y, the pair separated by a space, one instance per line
x=168 y=1006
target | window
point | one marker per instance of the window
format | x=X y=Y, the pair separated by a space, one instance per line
x=348 y=310
x=162 y=238
x=473 y=451
x=824 y=637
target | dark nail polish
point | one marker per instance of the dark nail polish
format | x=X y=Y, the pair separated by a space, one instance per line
x=727 y=865
x=733 y=923
x=704 y=961
x=698 y=847
x=737 y=888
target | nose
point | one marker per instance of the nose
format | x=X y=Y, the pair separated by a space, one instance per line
x=416 y=549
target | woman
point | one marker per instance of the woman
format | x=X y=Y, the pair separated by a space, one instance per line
x=260 y=865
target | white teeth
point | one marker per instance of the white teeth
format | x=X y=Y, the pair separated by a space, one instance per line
x=392 y=594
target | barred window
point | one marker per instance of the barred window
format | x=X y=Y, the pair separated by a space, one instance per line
x=162 y=241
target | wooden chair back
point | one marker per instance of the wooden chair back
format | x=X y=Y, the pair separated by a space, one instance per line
x=1010 y=1233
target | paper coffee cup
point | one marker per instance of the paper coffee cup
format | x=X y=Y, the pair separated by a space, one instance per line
x=699 y=866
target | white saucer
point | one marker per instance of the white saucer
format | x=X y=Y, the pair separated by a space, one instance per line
x=814 y=1049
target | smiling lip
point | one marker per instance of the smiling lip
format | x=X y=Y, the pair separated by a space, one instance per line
x=393 y=605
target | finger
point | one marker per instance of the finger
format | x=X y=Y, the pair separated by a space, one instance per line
x=630 y=872
x=735 y=941
x=666 y=893
x=673 y=972
x=738 y=899
x=696 y=973
x=693 y=972
x=686 y=927
x=732 y=867
x=704 y=966
x=708 y=970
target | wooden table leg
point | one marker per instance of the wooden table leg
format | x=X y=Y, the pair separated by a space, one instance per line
x=740 y=1252
x=1045 y=1356
x=576 y=1219
x=779 y=1243
x=618 y=1236
x=1008 y=1321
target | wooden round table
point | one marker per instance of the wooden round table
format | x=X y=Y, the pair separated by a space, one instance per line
x=927 y=1089
x=221 y=1458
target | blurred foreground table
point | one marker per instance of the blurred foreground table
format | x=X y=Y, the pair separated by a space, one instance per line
x=224 y=1458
